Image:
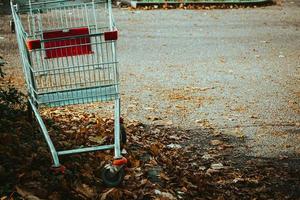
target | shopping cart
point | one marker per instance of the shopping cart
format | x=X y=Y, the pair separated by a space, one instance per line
x=68 y=52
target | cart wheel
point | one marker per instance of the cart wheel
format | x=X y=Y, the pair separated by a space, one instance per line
x=12 y=25
x=111 y=176
x=123 y=134
x=58 y=170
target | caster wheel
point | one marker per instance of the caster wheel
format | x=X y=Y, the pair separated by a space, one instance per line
x=12 y=25
x=123 y=134
x=58 y=170
x=112 y=176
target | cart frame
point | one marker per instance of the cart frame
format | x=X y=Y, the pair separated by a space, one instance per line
x=75 y=52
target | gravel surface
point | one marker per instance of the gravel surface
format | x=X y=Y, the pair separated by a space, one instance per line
x=236 y=70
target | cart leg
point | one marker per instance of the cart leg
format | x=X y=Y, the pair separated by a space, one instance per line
x=113 y=174
x=117 y=129
x=46 y=135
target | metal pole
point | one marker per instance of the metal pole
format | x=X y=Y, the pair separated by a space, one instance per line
x=117 y=129
x=84 y=150
x=46 y=135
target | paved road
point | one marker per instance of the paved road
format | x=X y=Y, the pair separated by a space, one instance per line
x=236 y=70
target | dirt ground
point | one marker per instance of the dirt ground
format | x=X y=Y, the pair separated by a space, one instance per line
x=213 y=75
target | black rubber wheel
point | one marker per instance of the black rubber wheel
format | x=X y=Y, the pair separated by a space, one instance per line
x=112 y=179
x=123 y=134
x=12 y=26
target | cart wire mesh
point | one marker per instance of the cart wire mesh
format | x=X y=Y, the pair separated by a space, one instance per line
x=70 y=52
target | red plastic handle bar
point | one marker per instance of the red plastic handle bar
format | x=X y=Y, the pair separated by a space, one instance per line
x=111 y=35
x=33 y=44
x=61 y=44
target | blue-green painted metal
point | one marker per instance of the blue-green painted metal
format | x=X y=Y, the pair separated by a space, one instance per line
x=86 y=149
x=46 y=135
x=72 y=79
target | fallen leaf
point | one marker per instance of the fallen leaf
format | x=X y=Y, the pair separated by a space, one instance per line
x=167 y=195
x=217 y=166
x=174 y=146
x=97 y=139
x=216 y=142
x=113 y=193
x=86 y=190
x=155 y=149
x=164 y=176
x=25 y=194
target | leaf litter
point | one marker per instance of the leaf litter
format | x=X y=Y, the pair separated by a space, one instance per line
x=163 y=162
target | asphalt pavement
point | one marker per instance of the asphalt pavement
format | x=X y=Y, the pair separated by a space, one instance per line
x=236 y=70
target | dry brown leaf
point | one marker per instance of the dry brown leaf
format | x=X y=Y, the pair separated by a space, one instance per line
x=143 y=182
x=105 y=194
x=167 y=196
x=155 y=149
x=113 y=193
x=224 y=146
x=135 y=163
x=86 y=191
x=164 y=176
x=25 y=194
x=216 y=142
x=97 y=139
